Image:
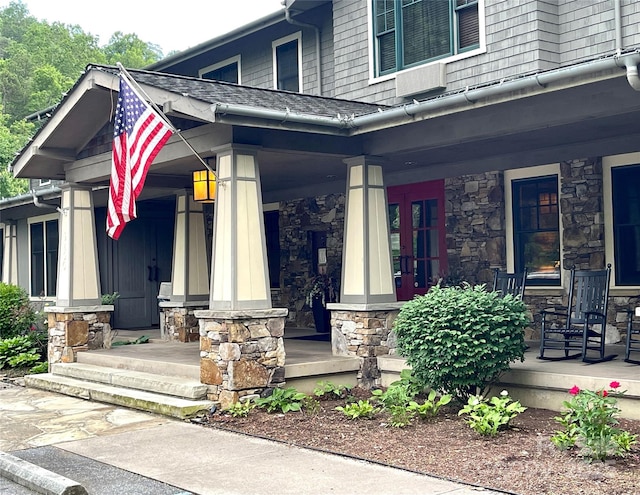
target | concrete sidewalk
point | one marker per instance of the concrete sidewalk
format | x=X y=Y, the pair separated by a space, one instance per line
x=114 y=450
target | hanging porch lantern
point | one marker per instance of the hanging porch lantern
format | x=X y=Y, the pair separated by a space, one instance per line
x=204 y=186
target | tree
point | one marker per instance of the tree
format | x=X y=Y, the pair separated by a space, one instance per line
x=13 y=137
x=131 y=51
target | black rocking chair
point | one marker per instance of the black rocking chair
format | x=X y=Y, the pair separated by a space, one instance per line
x=633 y=340
x=510 y=283
x=573 y=329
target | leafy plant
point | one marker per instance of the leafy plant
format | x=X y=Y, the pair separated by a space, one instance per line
x=23 y=360
x=16 y=314
x=310 y=405
x=327 y=390
x=590 y=423
x=487 y=417
x=459 y=340
x=109 y=299
x=363 y=409
x=394 y=395
x=411 y=383
x=13 y=347
x=39 y=368
x=282 y=399
x=240 y=409
x=430 y=406
x=400 y=416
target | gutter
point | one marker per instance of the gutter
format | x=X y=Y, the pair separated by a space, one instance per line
x=407 y=113
x=32 y=196
x=316 y=29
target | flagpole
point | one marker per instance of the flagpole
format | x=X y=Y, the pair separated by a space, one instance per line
x=166 y=119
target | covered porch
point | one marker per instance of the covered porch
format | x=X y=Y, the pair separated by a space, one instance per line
x=536 y=383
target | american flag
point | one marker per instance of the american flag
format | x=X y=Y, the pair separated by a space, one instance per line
x=138 y=135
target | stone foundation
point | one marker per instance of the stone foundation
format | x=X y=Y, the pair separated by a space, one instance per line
x=73 y=330
x=366 y=334
x=178 y=322
x=241 y=352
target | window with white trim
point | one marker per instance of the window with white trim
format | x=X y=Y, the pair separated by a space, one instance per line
x=43 y=260
x=534 y=224
x=227 y=70
x=287 y=63
x=622 y=218
x=408 y=33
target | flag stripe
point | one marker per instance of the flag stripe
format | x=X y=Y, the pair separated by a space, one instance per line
x=139 y=135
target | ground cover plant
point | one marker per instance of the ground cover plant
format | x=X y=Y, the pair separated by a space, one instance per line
x=520 y=459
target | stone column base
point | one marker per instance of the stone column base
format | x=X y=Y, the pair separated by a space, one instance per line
x=241 y=352
x=76 y=329
x=178 y=322
x=364 y=331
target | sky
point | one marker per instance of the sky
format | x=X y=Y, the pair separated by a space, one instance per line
x=172 y=26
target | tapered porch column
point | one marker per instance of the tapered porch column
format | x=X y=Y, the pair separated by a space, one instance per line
x=241 y=335
x=78 y=321
x=361 y=322
x=239 y=271
x=190 y=273
x=10 y=253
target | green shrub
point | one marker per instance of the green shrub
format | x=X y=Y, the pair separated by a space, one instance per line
x=39 y=368
x=363 y=409
x=430 y=406
x=328 y=390
x=459 y=340
x=239 y=409
x=16 y=313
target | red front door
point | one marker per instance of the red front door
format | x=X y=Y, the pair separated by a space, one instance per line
x=418 y=243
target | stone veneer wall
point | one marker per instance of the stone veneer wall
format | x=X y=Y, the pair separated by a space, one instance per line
x=476 y=234
x=367 y=335
x=240 y=356
x=73 y=332
x=298 y=220
x=474 y=209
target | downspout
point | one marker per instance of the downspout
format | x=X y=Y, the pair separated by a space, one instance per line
x=631 y=63
x=36 y=202
x=618 y=23
x=290 y=20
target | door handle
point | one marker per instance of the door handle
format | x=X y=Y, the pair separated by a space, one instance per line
x=150 y=273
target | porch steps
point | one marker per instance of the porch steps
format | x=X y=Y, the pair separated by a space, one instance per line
x=173 y=396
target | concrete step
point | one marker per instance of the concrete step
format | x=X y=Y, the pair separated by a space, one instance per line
x=157 y=364
x=165 y=405
x=139 y=380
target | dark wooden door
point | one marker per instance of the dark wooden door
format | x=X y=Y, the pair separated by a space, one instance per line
x=418 y=238
x=138 y=262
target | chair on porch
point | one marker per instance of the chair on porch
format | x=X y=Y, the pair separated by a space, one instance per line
x=633 y=339
x=573 y=329
x=509 y=283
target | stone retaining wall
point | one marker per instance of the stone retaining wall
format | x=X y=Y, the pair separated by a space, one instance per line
x=180 y=324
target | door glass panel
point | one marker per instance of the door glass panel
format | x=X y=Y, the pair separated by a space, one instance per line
x=432 y=248
x=434 y=270
x=432 y=209
x=417 y=214
x=420 y=275
x=394 y=216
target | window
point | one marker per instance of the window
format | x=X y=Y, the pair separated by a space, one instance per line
x=536 y=229
x=411 y=32
x=43 y=245
x=228 y=70
x=287 y=60
x=626 y=224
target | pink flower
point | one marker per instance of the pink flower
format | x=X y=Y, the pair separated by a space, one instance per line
x=614 y=385
x=575 y=390
x=604 y=393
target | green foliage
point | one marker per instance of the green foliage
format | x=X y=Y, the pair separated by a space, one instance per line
x=489 y=417
x=459 y=340
x=400 y=416
x=590 y=424
x=13 y=347
x=282 y=399
x=16 y=314
x=394 y=395
x=109 y=299
x=430 y=406
x=24 y=359
x=39 y=368
x=363 y=409
x=411 y=383
x=240 y=409
x=310 y=405
x=328 y=390
x=131 y=51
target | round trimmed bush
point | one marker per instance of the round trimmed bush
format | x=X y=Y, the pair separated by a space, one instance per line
x=460 y=339
x=16 y=313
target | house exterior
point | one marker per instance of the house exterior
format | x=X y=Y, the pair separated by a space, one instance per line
x=386 y=143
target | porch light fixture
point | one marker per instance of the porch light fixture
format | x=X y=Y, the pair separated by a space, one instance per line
x=204 y=186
